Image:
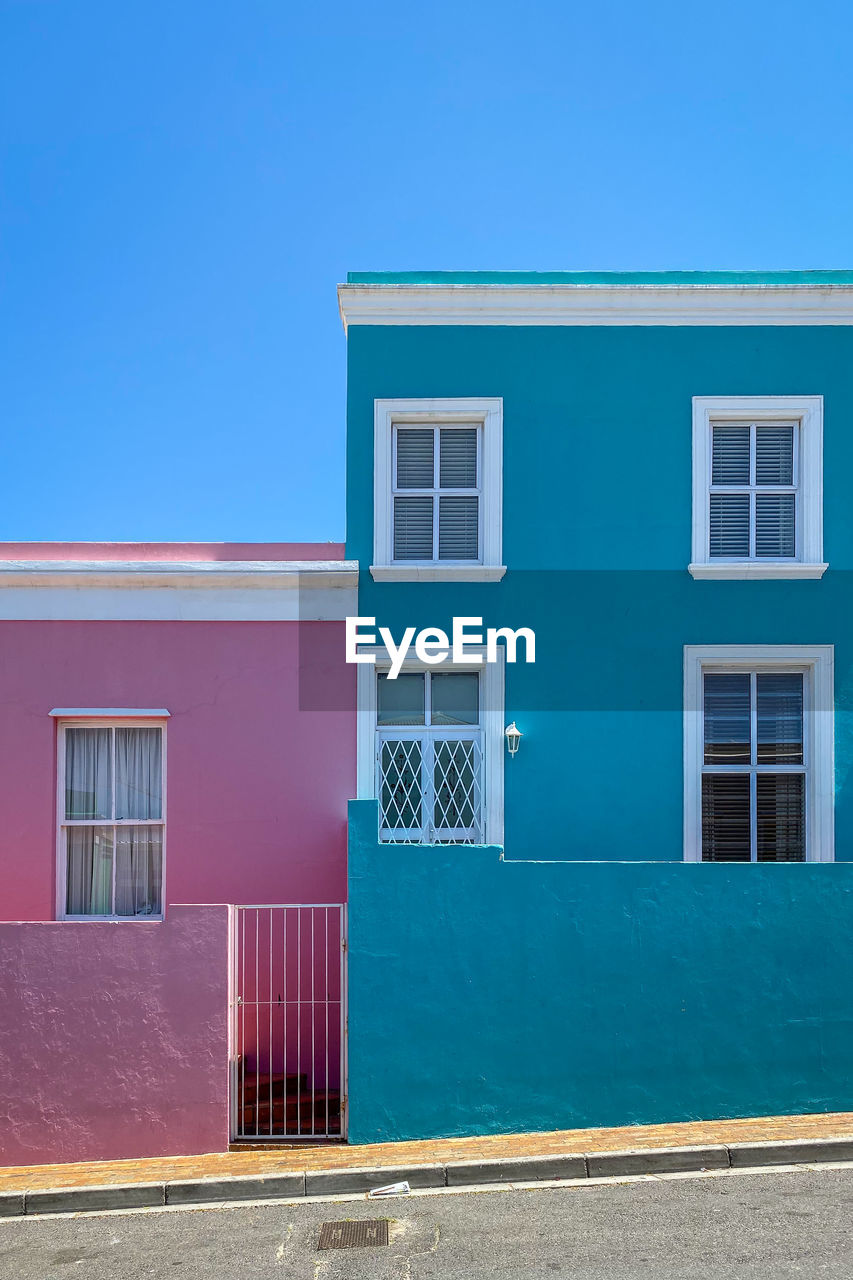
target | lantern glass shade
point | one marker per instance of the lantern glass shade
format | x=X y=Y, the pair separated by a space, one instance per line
x=513 y=735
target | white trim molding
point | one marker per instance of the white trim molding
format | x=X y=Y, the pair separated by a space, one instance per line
x=596 y=304
x=492 y=700
x=754 y=570
x=817 y=664
x=437 y=572
x=238 y=590
x=807 y=412
x=110 y=713
x=486 y=413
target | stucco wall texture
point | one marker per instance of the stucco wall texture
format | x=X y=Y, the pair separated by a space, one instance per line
x=114 y=1038
x=489 y=996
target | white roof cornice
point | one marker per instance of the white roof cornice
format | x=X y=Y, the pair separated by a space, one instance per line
x=163 y=590
x=261 y=574
x=596 y=304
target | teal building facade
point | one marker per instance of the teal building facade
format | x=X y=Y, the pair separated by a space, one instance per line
x=652 y=474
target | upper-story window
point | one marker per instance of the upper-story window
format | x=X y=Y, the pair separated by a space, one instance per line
x=437 y=494
x=111 y=820
x=757 y=487
x=438 y=490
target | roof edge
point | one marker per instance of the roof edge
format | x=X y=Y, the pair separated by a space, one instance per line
x=807 y=277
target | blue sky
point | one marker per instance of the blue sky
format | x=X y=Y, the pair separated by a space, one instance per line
x=184 y=184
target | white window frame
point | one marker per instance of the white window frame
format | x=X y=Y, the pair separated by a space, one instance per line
x=807 y=413
x=487 y=414
x=94 y=721
x=492 y=695
x=817 y=664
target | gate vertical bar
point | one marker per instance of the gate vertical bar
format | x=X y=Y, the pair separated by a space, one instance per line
x=257 y=1030
x=269 y=1047
x=344 y=1020
x=298 y=1023
x=313 y=1002
x=284 y=1017
x=242 y=998
x=326 y=1007
x=233 y=1014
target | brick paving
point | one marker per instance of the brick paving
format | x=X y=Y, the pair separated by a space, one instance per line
x=437 y=1150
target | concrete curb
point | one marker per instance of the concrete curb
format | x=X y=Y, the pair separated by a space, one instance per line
x=332 y=1182
x=515 y=1169
x=609 y=1164
x=460 y=1173
x=749 y=1155
x=140 y=1195
x=274 y=1186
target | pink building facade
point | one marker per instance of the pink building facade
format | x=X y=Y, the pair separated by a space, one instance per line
x=178 y=743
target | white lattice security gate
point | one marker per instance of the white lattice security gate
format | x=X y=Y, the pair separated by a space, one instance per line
x=429 y=786
x=288 y=1022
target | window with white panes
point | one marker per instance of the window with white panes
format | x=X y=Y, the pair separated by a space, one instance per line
x=754 y=492
x=429 y=758
x=756 y=761
x=757 y=487
x=111 y=820
x=436 y=494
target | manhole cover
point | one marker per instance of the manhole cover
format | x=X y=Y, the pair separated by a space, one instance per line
x=350 y=1235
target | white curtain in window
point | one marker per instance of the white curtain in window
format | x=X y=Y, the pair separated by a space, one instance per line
x=90 y=871
x=139 y=776
x=88 y=773
x=139 y=870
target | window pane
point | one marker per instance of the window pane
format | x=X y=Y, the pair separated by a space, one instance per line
x=730 y=453
x=725 y=817
x=139 y=871
x=457 y=465
x=781 y=833
x=729 y=524
x=775 y=524
x=458 y=536
x=415 y=468
x=727 y=733
x=400 y=791
x=89 y=885
x=780 y=717
x=455 y=784
x=413 y=528
x=139 y=773
x=774 y=453
x=456 y=698
x=88 y=773
x=400 y=701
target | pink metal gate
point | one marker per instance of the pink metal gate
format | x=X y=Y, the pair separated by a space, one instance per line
x=288 y=1022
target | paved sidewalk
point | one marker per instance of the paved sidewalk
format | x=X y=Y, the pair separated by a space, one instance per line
x=439 y=1151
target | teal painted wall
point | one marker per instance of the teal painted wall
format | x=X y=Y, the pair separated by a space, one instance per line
x=489 y=996
x=597 y=530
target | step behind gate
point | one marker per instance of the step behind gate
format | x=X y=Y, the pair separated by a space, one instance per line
x=288 y=1023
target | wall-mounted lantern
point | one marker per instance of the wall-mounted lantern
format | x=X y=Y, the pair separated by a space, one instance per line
x=513 y=735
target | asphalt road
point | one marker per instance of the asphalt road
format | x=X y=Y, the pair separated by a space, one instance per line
x=761 y=1225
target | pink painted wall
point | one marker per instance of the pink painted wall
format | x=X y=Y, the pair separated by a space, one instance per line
x=114 y=1038
x=204 y=551
x=260 y=752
